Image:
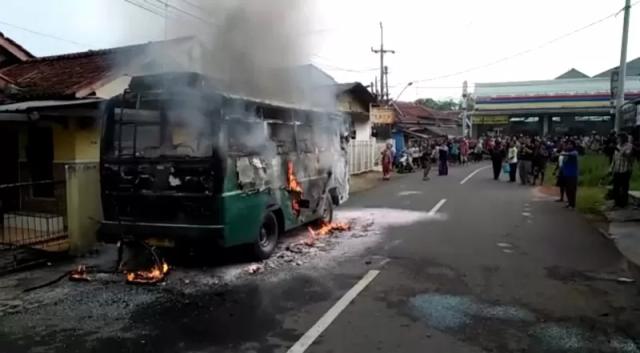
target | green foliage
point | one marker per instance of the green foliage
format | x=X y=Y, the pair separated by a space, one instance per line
x=594 y=170
x=590 y=199
x=448 y=104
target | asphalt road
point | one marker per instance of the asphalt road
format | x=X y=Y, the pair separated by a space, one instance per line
x=498 y=268
x=504 y=270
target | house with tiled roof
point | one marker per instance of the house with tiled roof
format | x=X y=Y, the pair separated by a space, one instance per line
x=50 y=110
x=416 y=119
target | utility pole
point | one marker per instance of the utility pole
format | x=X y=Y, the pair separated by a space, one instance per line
x=386 y=82
x=382 y=52
x=623 y=66
x=466 y=126
x=376 y=87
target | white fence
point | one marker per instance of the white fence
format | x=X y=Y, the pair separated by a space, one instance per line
x=363 y=156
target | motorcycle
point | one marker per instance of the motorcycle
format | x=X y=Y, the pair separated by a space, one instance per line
x=404 y=164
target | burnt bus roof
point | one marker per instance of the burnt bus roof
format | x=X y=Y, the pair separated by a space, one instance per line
x=179 y=85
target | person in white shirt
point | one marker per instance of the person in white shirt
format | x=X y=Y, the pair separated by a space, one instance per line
x=512 y=159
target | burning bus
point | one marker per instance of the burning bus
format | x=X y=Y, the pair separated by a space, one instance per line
x=184 y=164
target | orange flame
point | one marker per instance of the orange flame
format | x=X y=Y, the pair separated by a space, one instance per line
x=153 y=275
x=79 y=274
x=294 y=187
x=328 y=228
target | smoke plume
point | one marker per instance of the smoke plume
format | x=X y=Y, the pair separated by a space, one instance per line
x=257 y=48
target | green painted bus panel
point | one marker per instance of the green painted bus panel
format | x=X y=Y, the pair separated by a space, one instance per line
x=290 y=219
x=243 y=214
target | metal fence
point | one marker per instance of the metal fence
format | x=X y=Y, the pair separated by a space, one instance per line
x=362 y=156
x=32 y=216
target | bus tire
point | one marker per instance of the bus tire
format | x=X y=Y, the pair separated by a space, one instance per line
x=327 y=212
x=267 y=237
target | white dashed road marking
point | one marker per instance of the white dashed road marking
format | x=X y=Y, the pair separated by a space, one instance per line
x=307 y=339
x=437 y=207
x=473 y=173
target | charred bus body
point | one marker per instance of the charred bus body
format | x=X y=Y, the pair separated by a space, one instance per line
x=183 y=164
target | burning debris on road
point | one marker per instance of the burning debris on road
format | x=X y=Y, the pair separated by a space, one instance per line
x=329 y=228
x=154 y=275
x=304 y=245
x=79 y=274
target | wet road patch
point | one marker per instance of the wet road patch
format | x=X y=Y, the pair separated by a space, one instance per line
x=444 y=311
x=568 y=338
x=501 y=327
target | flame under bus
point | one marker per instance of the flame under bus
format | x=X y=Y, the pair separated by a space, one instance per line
x=185 y=165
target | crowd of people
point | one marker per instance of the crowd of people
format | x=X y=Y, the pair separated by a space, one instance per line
x=524 y=158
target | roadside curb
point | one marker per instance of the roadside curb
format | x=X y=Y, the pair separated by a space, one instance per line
x=623 y=229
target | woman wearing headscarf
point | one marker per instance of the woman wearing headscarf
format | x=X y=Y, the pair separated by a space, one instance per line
x=387 y=161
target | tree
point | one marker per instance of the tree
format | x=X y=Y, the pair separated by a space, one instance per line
x=447 y=104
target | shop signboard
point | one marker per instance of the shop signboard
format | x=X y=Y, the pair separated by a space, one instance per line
x=491 y=120
x=382 y=115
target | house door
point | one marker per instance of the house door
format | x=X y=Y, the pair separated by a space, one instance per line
x=9 y=167
x=8 y=155
x=40 y=158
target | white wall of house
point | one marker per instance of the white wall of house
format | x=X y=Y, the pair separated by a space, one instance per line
x=362 y=150
x=363 y=130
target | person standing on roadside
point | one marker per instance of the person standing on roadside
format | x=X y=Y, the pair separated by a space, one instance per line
x=464 y=151
x=454 y=151
x=478 y=151
x=512 y=159
x=621 y=170
x=497 y=157
x=570 y=173
x=387 y=161
x=540 y=157
x=610 y=146
x=426 y=161
x=525 y=158
x=558 y=171
x=443 y=156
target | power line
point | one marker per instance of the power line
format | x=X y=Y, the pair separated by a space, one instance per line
x=46 y=35
x=147 y=8
x=190 y=3
x=184 y=12
x=526 y=51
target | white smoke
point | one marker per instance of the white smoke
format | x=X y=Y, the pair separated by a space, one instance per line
x=257 y=48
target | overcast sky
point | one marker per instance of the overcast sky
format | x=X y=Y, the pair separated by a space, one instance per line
x=432 y=38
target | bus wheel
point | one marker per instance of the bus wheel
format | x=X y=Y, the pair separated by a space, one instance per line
x=267 y=238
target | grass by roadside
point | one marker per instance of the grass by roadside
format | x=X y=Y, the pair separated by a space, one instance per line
x=590 y=199
x=592 y=182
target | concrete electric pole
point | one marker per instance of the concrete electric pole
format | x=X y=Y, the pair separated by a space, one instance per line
x=622 y=72
x=386 y=82
x=466 y=120
x=382 y=52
